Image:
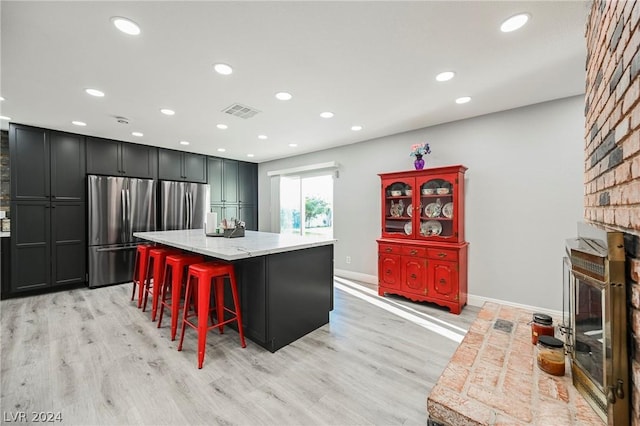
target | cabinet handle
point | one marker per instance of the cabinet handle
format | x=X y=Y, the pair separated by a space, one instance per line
x=442 y=254
x=388 y=249
x=414 y=252
x=443 y=281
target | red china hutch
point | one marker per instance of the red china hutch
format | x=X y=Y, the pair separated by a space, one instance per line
x=422 y=254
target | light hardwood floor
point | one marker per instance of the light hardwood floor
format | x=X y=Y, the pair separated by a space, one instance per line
x=95 y=358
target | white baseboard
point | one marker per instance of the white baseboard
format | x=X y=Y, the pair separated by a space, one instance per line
x=472 y=300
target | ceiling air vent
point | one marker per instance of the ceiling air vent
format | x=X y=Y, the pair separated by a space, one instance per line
x=241 y=111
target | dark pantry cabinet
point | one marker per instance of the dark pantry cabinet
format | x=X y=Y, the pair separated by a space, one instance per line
x=182 y=166
x=47 y=208
x=116 y=158
x=234 y=190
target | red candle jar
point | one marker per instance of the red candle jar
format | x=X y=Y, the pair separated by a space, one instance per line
x=542 y=325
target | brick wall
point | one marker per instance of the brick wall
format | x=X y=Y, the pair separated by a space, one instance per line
x=612 y=144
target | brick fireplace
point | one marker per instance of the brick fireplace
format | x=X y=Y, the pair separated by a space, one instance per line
x=612 y=146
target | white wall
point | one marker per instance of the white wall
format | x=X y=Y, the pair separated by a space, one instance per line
x=524 y=195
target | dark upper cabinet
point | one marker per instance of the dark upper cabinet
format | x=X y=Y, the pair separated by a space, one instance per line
x=182 y=166
x=233 y=181
x=67 y=167
x=117 y=158
x=230 y=181
x=234 y=190
x=248 y=183
x=30 y=163
x=46 y=165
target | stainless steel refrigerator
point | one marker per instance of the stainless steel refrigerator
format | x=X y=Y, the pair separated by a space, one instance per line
x=183 y=205
x=118 y=207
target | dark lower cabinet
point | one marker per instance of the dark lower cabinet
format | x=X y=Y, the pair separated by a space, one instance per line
x=48 y=247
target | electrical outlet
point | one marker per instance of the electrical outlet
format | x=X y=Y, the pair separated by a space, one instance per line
x=348 y=259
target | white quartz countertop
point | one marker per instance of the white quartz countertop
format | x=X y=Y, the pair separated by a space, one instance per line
x=253 y=244
x=5 y=234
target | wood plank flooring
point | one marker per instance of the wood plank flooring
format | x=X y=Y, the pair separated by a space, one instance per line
x=96 y=359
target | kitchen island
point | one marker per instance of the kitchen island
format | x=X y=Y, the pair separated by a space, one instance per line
x=285 y=281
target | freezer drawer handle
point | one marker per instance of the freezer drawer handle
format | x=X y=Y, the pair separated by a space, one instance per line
x=117 y=248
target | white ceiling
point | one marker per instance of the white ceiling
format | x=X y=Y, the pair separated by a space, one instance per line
x=371 y=63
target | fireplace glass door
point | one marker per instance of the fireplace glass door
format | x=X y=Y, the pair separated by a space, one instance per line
x=590 y=329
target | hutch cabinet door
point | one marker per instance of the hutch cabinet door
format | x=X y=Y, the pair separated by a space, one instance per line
x=398 y=208
x=414 y=275
x=445 y=280
x=389 y=275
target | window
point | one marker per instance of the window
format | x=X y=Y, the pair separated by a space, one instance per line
x=306 y=205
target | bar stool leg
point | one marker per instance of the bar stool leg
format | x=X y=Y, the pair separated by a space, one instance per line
x=175 y=301
x=220 y=302
x=168 y=272
x=204 y=295
x=185 y=311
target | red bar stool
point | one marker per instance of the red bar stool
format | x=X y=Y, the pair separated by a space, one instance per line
x=140 y=268
x=204 y=273
x=174 y=275
x=157 y=256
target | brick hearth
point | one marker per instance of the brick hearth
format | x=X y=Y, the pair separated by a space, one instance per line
x=493 y=379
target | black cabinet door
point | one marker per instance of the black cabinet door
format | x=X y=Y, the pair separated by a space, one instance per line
x=68 y=245
x=139 y=161
x=67 y=167
x=248 y=183
x=215 y=178
x=103 y=157
x=29 y=157
x=194 y=167
x=230 y=181
x=249 y=215
x=170 y=165
x=30 y=245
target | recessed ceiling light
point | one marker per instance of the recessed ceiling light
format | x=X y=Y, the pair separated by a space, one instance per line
x=223 y=69
x=249 y=155
x=463 y=100
x=356 y=128
x=167 y=111
x=125 y=25
x=79 y=123
x=293 y=145
x=184 y=143
x=326 y=114
x=137 y=134
x=283 y=96
x=514 y=23
x=4 y=117
x=263 y=137
x=222 y=126
x=95 y=92
x=445 y=76
x=221 y=150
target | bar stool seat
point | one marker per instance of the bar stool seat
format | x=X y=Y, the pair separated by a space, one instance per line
x=140 y=268
x=174 y=274
x=157 y=256
x=205 y=275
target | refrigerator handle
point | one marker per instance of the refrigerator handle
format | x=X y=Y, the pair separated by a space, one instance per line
x=190 y=213
x=129 y=226
x=185 y=222
x=123 y=218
